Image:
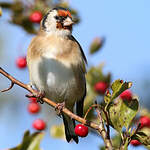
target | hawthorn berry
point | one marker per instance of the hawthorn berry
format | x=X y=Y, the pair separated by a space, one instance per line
x=21 y=62
x=33 y=107
x=126 y=95
x=33 y=99
x=145 y=121
x=101 y=87
x=39 y=124
x=81 y=130
x=35 y=17
x=135 y=142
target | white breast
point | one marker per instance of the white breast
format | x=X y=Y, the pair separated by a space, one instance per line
x=55 y=78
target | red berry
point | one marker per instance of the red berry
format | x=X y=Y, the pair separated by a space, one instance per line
x=33 y=107
x=81 y=130
x=135 y=142
x=126 y=95
x=36 y=17
x=39 y=124
x=21 y=62
x=145 y=121
x=33 y=99
x=101 y=87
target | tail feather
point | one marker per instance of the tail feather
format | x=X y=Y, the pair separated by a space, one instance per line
x=69 y=128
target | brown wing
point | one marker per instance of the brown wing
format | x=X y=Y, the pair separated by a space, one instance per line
x=83 y=55
x=80 y=103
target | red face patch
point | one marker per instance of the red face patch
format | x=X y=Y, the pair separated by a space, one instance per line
x=64 y=13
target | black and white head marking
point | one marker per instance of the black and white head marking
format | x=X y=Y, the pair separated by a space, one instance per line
x=54 y=22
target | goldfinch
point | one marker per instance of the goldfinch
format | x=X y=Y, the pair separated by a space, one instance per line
x=57 y=65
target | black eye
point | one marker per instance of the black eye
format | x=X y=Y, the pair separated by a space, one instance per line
x=60 y=18
x=57 y=18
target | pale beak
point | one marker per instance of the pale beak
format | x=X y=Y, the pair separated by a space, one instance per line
x=68 y=21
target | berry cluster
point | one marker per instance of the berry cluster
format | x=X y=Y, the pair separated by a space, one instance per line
x=101 y=88
x=34 y=108
x=144 y=122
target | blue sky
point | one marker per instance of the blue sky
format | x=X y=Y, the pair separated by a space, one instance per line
x=126 y=54
x=126 y=27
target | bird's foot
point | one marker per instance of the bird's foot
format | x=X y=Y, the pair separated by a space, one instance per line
x=59 y=108
x=39 y=96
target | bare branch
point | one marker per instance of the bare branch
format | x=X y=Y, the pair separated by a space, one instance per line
x=103 y=132
x=12 y=84
x=107 y=124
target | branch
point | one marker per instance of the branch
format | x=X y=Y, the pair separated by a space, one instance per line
x=100 y=128
x=107 y=124
x=103 y=132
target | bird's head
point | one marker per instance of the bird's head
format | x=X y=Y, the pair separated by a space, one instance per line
x=57 y=21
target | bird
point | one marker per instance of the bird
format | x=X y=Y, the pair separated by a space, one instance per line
x=57 y=65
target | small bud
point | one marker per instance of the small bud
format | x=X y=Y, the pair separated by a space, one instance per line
x=121 y=81
x=96 y=44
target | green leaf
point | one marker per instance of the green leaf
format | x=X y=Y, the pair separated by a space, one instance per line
x=30 y=141
x=95 y=75
x=57 y=131
x=118 y=87
x=35 y=138
x=142 y=138
x=122 y=112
